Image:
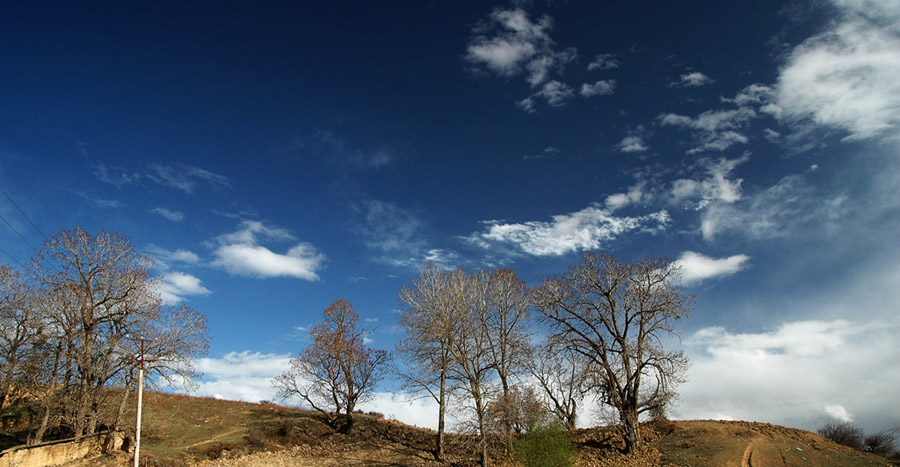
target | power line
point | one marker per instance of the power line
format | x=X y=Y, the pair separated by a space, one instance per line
x=23 y=213
x=17 y=233
x=11 y=257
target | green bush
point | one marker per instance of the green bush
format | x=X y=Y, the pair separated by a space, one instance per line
x=545 y=446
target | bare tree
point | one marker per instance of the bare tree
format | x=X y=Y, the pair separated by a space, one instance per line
x=461 y=330
x=337 y=371
x=471 y=358
x=172 y=337
x=105 y=285
x=562 y=375
x=505 y=321
x=615 y=314
x=94 y=295
x=428 y=322
x=520 y=411
x=20 y=329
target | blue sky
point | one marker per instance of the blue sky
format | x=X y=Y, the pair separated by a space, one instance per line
x=276 y=157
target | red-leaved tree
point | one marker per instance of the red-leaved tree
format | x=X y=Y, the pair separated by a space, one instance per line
x=337 y=371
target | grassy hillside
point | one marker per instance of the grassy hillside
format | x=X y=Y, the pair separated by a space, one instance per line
x=180 y=430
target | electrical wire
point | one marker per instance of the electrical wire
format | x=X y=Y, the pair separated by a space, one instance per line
x=23 y=213
x=17 y=233
x=11 y=257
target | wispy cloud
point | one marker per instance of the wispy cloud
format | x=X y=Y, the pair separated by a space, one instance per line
x=390 y=229
x=637 y=193
x=715 y=130
x=720 y=129
x=166 y=259
x=599 y=88
x=547 y=153
x=240 y=254
x=696 y=268
x=796 y=374
x=508 y=44
x=175 y=286
x=715 y=183
x=398 y=236
x=846 y=76
x=174 y=216
x=184 y=177
x=245 y=376
x=343 y=154
x=693 y=79
x=556 y=93
x=587 y=229
x=604 y=62
x=632 y=143
x=116 y=176
x=776 y=211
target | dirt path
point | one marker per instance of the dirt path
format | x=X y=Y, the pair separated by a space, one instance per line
x=747 y=461
x=214 y=438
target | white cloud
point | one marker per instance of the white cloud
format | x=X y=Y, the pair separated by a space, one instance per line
x=527 y=104
x=185 y=177
x=548 y=152
x=694 y=79
x=174 y=216
x=599 y=88
x=604 y=62
x=555 y=93
x=240 y=254
x=846 y=76
x=696 y=267
x=244 y=376
x=509 y=44
x=839 y=412
x=343 y=155
x=247 y=376
x=636 y=194
x=772 y=135
x=715 y=130
x=116 y=176
x=713 y=186
x=789 y=374
x=166 y=258
x=633 y=143
x=776 y=211
x=177 y=285
x=589 y=228
x=418 y=411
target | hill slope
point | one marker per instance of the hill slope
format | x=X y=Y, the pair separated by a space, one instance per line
x=180 y=430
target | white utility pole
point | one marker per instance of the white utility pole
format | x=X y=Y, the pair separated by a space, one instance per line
x=137 y=430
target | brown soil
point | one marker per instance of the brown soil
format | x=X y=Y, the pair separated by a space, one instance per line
x=201 y=432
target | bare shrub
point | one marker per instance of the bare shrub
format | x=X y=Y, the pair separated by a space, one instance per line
x=881 y=443
x=845 y=433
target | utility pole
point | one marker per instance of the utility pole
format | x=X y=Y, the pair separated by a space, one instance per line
x=140 y=400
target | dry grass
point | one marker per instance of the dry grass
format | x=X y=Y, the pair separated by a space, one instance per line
x=180 y=430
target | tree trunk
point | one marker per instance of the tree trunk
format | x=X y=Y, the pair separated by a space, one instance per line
x=4 y=396
x=120 y=414
x=45 y=420
x=348 y=423
x=631 y=428
x=507 y=408
x=442 y=407
x=48 y=398
x=571 y=417
x=93 y=419
x=482 y=435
